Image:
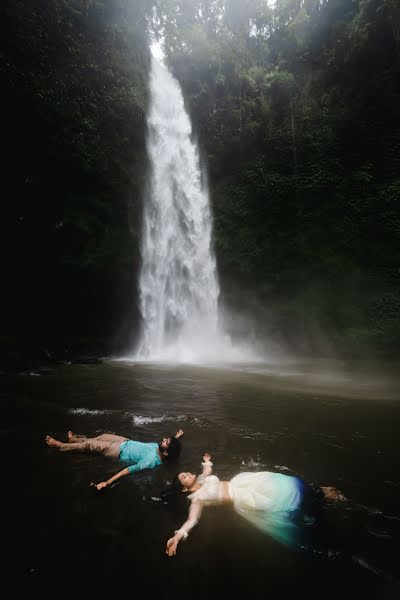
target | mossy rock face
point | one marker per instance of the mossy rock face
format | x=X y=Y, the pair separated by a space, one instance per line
x=75 y=92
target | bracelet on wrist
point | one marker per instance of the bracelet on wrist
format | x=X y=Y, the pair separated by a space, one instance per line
x=182 y=532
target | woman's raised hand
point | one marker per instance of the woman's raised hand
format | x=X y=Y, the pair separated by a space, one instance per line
x=206 y=457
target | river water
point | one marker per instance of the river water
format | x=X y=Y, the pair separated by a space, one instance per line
x=332 y=423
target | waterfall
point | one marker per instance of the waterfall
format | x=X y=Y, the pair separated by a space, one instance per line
x=178 y=280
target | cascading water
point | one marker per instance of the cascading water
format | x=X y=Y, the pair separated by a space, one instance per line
x=178 y=280
x=178 y=284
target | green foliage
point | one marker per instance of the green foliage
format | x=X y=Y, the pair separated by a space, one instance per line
x=296 y=108
x=74 y=76
x=296 y=105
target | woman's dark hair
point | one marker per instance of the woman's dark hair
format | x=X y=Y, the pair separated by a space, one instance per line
x=174 y=449
x=172 y=490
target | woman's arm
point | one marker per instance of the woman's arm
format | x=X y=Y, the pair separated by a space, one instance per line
x=207 y=464
x=195 y=511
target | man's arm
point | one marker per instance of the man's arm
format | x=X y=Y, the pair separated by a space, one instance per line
x=104 y=484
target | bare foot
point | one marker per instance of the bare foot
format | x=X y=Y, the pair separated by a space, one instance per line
x=72 y=437
x=331 y=493
x=50 y=441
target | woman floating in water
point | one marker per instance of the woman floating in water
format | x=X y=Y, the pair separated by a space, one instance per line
x=281 y=505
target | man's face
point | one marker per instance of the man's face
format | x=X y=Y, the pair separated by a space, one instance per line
x=164 y=444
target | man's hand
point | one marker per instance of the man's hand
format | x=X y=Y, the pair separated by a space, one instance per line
x=172 y=545
x=179 y=434
x=101 y=486
x=206 y=457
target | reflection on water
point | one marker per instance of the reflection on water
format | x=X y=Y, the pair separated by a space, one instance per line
x=357 y=379
x=330 y=423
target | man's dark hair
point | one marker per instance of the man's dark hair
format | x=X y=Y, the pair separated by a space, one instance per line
x=174 y=449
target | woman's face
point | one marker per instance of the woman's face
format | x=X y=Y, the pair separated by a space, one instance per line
x=187 y=480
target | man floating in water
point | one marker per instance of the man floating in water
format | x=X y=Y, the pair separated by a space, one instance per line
x=142 y=455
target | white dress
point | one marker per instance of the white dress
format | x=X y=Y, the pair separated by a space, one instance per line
x=210 y=492
x=270 y=501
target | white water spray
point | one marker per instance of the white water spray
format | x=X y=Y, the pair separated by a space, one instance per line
x=178 y=280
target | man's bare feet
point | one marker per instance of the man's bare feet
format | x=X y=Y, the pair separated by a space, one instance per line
x=50 y=441
x=72 y=437
x=331 y=493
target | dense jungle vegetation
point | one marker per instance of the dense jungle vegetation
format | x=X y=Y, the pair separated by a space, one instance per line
x=296 y=108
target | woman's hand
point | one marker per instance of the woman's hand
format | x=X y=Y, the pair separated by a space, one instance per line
x=179 y=434
x=206 y=457
x=172 y=545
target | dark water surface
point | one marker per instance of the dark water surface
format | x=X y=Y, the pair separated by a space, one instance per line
x=332 y=426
